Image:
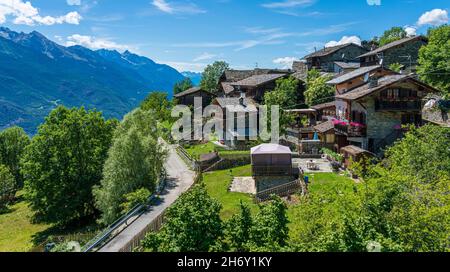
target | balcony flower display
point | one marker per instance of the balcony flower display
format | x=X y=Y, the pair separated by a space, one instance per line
x=357 y=125
x=339 y=122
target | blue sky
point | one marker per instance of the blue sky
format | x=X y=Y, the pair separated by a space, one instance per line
x=189 y=34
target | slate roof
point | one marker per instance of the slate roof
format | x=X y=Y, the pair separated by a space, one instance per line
x=324 y=106
x=234 y=104
x=324 y=127
x=354 y=150
x=227 y=87
x=437 y=111
x=366 y=90
x=392 y=45
x=353 y=74
x=348 y=65
x=188 y=92
x=328 y=51
x=257 y=80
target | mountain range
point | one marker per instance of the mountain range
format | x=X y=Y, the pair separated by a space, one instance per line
x=37 y=74
x=196 y=78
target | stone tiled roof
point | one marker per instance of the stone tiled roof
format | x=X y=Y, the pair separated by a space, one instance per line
x=257 y=80
x=437 y=111
x=324 y=106
x=392 y=45
x=353 y=74
x=348 y=65
x=234 y=104
x=328 y=51
x=324 y=127
x=354 y=150
x=227 y=87
x=366 y=89
x=188 y=92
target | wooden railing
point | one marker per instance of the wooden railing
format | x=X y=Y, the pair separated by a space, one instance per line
x=283 y=190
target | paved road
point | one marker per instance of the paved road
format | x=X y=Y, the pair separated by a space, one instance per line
x=180 y=179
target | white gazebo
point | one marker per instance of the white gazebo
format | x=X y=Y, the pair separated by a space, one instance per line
x=271 y=160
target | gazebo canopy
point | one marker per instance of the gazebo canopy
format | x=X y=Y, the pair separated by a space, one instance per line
x=270 y=149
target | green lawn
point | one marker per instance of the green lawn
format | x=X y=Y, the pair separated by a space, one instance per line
x=16 y=231
x=196 y=150
x=19 y=234
x=218 y=183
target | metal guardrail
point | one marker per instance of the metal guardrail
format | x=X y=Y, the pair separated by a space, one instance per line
x=138 y=210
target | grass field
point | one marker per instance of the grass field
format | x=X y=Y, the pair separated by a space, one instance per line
x=16 y=231
x=196 y=150
x=218 y=182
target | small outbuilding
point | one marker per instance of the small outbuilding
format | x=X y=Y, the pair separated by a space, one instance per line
x=355 y=154
x=271 y=160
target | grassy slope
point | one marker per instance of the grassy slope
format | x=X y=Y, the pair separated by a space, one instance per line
x=218 y=183
x=196 y=150
x=16 y=231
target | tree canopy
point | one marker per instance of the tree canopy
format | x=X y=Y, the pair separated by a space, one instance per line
x=318 y=91
x=158 y=103
x=182 y=86
x=7 y=186
x=192 y=224
x=434 y=67
x=64 y=161
x=135 y=161
x=392 y=35
x=12 y=145
x=212 y=74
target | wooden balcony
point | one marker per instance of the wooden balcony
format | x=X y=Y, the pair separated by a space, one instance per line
x=398 y=106
x=351 y=131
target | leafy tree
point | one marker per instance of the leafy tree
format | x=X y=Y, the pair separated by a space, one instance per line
x=138 y=197
x=159 y=104
x=192 y=224
x=64 y=161
x=318 y=91
x=285 y=96
x=212 y=74
x=396 y=67
x=12 y=145
x=434 y=67
x=182 y=86
x=270 y=231
x=135 y=161
x=392 y=35
x=7 y=186
x=239 y=229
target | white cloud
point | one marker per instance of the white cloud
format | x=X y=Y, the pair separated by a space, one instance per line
x=74 y=2
x=286 y=62
x=289 y=4
x=434 y=17
x=344 y=40
x=176 y=8
x=95 y=43
x=410 y=31
x=24 y=13
x=204 y=56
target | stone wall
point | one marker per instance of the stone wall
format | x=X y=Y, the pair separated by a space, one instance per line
x=351 y=53
x=265 y=183
x=394 y=55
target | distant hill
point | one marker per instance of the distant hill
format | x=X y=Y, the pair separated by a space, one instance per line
x=195 y=77
x=37 y=74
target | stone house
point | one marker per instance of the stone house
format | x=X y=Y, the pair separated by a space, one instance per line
x=371 y=115
x=238 y=117
x=187 y=97
x=404 y=51
x=325 y=59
